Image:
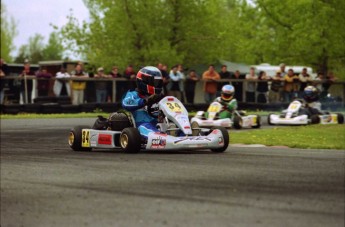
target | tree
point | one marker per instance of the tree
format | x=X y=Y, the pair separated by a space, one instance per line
x=54 y=49
x=33 y=51
x=8 y=33
x=148 y=32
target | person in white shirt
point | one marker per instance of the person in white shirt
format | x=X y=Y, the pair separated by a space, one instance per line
x=61 y=86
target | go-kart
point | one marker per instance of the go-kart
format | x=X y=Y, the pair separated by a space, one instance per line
x=298 y=114
x=175 y=132
x=238 y=121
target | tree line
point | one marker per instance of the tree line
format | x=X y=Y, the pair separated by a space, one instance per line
x=297 y=32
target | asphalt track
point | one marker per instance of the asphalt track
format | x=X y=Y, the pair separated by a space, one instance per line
x=44 y=183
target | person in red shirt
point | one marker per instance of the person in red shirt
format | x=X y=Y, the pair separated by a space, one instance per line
x=210 y=87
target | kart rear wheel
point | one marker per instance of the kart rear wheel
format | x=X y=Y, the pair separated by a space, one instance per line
x=315 y=119
x=269 y=119
x=258 y=122
x=75 y=138
x=340 y=118
x=130 y=140
x=238 y=122
x=226 y=139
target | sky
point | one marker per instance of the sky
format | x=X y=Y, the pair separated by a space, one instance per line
x=35 y=16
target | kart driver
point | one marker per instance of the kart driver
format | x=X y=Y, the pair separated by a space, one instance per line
x=228 y=101
x=142 y=102
x=311 y=97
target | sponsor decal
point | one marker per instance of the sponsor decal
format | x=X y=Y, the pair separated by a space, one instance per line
x=159 y=142
x=192 y=139
x=105 y=139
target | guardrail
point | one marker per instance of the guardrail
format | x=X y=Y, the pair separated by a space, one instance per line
x=337 y=88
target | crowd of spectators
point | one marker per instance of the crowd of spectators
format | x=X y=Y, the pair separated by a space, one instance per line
x=255 y=86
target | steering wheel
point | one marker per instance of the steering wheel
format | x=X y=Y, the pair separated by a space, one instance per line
x=149 y=106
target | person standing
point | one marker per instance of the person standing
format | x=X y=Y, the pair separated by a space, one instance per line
x=290 y=86
x=26 y=84
x=305 y=80
x=3 y=73
x=175 y=85
x=224 y=75
x=120 y=85
x=130 y=75
x=61 y=85
x=274 y=95
x=262 y=87
x=165 y=75
x=238 y=85
x=210 y=86
x=251 y=84
x=43 y=82
x=191 y=80
x=78 y=86
x=101 y=86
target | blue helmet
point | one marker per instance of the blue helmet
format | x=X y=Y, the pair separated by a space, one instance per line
x=311 y=94
x=227 y=92
x=149 y=80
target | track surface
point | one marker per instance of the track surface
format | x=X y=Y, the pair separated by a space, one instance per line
x=44 y=183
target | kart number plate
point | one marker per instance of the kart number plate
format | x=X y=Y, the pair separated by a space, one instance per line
x=85 y=138
x=174 y=107
x=293 y=106
x=214 y=108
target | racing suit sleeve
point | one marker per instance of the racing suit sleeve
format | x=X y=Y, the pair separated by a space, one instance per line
x=232 y=105
x=132 y=101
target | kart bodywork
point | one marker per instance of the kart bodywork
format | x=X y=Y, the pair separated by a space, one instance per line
x=238 y=121
x=175 y=132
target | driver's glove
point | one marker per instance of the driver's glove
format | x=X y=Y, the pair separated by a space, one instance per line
x=154 y=99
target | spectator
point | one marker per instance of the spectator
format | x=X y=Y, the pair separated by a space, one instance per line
x=305 y=80
x=328 y=81
x=130 y=75
x=282 y=69
x=43 y=82
x=251 y=77
x=3 y=73
x=210 y=86
x=319 y=79
x=101 y=86
x=191 y=81
x=290 y=86
x=61 y=86
x=262 y=87
x=238 y=85
x=274 y=95
x=120 y=85
x=224 y=75
x=26 y=84
x=165 y=75
x=181 y=70
x=90 y=95
x=175 y=86
x=78 y=86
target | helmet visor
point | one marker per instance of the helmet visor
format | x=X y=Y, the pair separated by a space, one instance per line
x=157 y=82
x=226 y=96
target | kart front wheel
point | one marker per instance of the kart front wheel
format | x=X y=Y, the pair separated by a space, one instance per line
x=238 y=122
x=340 y=118
x=258 y=122
x=226 y=139
x=130 y=140
x=75 y=138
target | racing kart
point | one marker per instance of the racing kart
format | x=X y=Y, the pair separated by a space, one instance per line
x=298 y=114
x=238 y=121
x=175 y=132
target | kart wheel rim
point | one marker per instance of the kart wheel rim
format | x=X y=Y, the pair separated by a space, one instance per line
x=124 y=140
x=71 y=138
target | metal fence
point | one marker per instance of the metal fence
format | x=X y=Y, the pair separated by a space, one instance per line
x=13 y=86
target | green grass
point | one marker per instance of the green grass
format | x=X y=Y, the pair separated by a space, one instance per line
x=310 y=136
x=40 y=116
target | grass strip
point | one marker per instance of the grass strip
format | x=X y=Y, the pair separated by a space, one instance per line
x=310 y=136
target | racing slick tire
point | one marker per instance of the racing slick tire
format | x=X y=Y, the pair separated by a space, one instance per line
x=130 y=140
x=340 y=118
x=226 y=138
x=258 y=122
x=237 y=122
x=269 y=119
x=315 y=119
x=75 y=138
